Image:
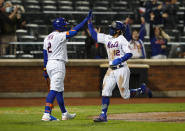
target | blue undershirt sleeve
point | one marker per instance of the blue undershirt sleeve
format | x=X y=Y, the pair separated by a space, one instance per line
x=126 y=57
x=92 y=31
x=45 y=57
x=74 y=30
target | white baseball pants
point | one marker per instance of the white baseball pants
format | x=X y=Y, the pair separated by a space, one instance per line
x=120 y=77
x=56 y=72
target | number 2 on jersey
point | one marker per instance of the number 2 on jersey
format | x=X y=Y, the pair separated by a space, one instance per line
x=49 y=48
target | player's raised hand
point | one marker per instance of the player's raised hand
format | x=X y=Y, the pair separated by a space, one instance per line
x=117 y=61
x=89 y=15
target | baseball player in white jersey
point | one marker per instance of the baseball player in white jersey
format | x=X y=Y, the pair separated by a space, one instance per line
x=118 y=72
x=55 y=58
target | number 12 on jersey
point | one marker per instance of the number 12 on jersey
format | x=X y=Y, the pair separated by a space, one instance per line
x=116 y=52
x=49 y=48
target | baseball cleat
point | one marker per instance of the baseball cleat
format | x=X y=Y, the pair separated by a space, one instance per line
x=101 y=118
x=48 y=117
x=146 y=90
x=68 y=116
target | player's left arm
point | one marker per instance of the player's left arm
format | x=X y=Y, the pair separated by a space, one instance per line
x=74 y=30
x=92 y=31
x=122 y=59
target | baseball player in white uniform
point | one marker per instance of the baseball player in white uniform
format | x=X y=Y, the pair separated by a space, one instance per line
x=55 y=58
x=118 y=72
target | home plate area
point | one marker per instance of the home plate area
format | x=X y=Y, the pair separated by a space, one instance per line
x=150 y=116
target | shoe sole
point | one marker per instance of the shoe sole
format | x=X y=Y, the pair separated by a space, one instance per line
x=99 y=121
x=49 y=120
x=45 y=120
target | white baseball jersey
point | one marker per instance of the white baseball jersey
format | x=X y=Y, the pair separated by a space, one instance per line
x=55 y=44
x=116 y=48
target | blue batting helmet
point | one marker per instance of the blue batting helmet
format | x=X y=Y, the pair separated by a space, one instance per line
x=60 y=24
x=116 y=25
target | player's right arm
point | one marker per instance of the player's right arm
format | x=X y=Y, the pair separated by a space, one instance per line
x=74 y=30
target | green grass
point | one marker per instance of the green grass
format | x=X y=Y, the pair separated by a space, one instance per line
x=28 y=119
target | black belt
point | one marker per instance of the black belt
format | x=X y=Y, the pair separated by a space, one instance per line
x=116 y=67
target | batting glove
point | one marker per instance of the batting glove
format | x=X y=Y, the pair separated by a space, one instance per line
x=45 y=74
x=117 y=61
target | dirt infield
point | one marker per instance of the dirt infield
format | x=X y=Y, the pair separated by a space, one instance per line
x=149 y=116
x=11 y=102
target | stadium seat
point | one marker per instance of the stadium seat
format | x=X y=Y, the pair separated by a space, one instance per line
x=49 y=2
x=72 y=22
x=37 y=21
x=27 y=38
x=82 y=3
x=31 y=2
x=32 y=8
x=41 y=38
x=21 y=32
x=32 y=28
x=16 y=2
x=43 y=30
x=65 y=8
x=101 y=6
x=65 y=2
x=82 y=8
x=49 y=8
x=119 y=6
x=182 y=38
x=146 y=39
x=79 y=38
x=36 y=53
x=102 y=3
